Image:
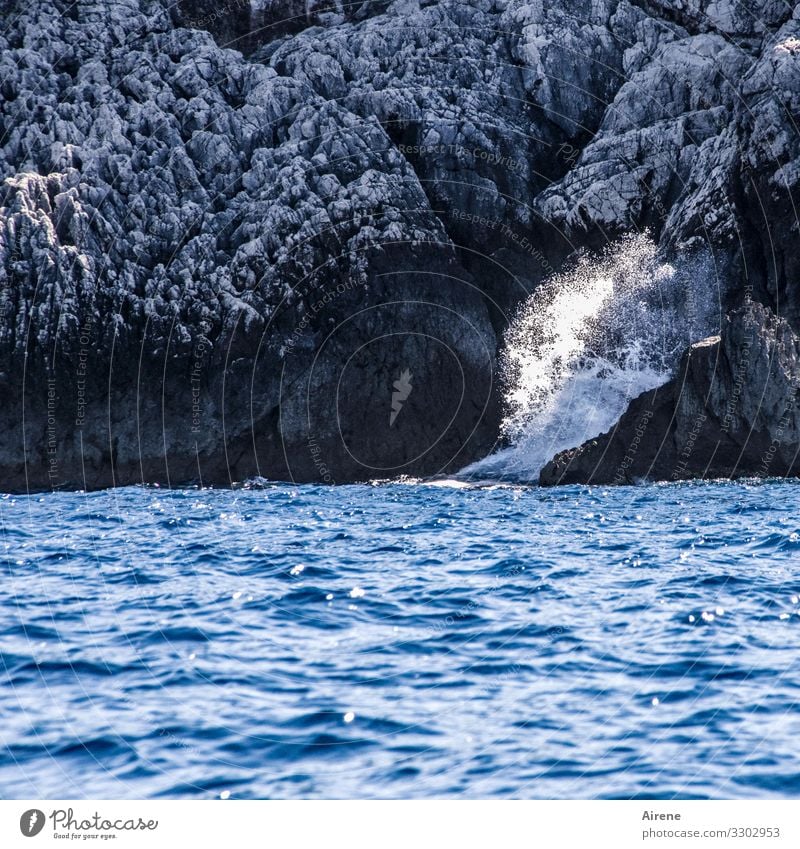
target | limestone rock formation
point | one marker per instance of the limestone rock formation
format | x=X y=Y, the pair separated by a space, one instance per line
x=215 y=263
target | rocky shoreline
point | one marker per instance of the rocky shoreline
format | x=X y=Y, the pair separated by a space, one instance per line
x=224 y=238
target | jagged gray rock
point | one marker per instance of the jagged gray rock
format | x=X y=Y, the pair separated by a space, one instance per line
x=224 y=262
x=731 y=411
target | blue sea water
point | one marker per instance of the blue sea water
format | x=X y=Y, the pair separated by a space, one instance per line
x=402 y=640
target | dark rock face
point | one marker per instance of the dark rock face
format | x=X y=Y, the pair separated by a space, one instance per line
x=731 y=411
x=214 y=266
x=211 y=272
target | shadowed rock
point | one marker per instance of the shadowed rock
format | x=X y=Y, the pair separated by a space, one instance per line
x=731 y=411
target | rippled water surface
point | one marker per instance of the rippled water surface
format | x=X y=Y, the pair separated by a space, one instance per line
x=402 y=641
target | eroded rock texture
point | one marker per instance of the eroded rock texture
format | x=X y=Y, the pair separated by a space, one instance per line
x=217 y=263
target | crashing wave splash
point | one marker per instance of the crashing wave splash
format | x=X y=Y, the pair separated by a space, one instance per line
x=590 y=340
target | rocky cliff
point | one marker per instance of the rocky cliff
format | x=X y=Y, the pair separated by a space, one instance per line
x=217 y=263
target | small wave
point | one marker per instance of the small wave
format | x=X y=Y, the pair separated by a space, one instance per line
x=422 y=641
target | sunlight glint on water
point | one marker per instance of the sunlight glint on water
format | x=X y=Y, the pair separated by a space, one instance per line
x=401 y=641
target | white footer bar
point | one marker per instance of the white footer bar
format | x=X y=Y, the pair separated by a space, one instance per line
x=401 y=825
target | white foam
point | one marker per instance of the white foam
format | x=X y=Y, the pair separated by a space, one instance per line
x=587 y=342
